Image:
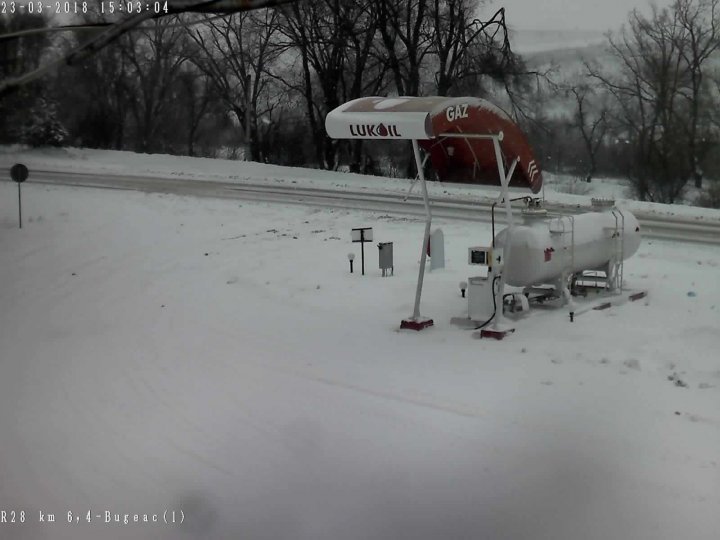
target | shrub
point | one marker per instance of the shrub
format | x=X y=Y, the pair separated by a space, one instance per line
x=43 y=127
x=711 y=197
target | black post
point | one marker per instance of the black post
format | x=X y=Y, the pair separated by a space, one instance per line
x=362 y=250
x=358 y=235
x=351 y=266
x=19 y=206
x=19 y=174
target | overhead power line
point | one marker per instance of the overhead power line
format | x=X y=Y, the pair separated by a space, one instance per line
x=112 y=31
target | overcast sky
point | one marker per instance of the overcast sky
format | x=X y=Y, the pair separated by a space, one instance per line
x=569 y=14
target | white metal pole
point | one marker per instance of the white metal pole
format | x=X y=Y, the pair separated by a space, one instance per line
x=426 y=239
x=504 y=182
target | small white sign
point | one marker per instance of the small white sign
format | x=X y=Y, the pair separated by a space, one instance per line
x=378 y=125
x=437 y=250
x=364 y=234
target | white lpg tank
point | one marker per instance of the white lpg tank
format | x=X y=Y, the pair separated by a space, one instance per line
x=542 y=249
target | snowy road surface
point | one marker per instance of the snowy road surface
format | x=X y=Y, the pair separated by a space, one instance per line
x=559 y=189
x=217 y=358
x=372 y=197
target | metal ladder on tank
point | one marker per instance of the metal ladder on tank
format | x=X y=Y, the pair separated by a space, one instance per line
x=618 y=261
x=568 y=256
x=571 y=266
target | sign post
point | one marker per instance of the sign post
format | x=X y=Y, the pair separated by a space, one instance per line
x=19 y=174
x=362 y=235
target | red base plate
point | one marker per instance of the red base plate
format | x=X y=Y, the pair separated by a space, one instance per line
x=412 y=324
x=495 y=334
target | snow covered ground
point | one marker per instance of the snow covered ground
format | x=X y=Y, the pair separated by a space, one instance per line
x=218 y=358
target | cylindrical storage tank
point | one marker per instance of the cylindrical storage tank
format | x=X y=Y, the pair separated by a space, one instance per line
x=541 y=250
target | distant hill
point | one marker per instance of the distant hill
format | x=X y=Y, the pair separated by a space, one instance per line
x=565 y=50
x=526 y=42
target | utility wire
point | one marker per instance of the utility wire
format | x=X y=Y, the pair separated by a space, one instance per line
x=115 y=30
x=71 y=27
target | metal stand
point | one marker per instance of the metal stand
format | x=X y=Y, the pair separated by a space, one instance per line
x=608 y=302
x=362 y=253
x=617 y=265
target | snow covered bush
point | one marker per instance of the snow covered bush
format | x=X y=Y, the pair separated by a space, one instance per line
x=43 y=127
x=711 y=197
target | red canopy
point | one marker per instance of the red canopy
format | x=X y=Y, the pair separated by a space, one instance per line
x=450 y=129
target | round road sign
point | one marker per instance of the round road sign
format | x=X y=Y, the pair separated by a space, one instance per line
x=19 y=172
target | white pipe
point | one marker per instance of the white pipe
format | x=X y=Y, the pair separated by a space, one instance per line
x=498 y=136
x=426 y=239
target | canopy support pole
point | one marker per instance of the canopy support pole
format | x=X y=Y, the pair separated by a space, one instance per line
x=498 y=330
x=416 y=322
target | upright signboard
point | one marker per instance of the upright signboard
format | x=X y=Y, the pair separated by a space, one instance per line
x=19 y=173
x=362 y=235
x=437 y=249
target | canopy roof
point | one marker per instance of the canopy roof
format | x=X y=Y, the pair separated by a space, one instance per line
x=445 y=128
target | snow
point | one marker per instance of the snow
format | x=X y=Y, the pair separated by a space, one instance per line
x=561 y=189
x=168 y=353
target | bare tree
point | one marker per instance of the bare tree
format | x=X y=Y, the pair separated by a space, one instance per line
x=700 y=20
x=404 y=28
x=333 y=41
x=591 y=120
x=102 y=121
x=467 y=47
x=17 y=56
x=154 y=56
x=647 y=92
x=364 y=74
x=196 y=98
x=450 y=28
x=236 y=53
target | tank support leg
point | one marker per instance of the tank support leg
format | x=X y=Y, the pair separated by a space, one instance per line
x=568 y=298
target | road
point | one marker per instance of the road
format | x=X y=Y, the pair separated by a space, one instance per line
x=666 y=228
